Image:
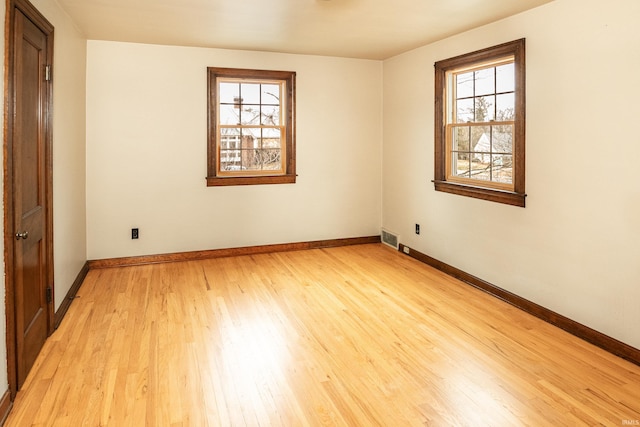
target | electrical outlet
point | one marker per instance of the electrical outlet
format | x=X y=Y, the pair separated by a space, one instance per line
x=134 y=233
x=406 y=250
x=417 y=228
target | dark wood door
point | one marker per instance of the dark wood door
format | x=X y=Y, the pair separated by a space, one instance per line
x=29 y=199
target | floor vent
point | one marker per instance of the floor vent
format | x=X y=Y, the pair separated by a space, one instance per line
x=389 y=238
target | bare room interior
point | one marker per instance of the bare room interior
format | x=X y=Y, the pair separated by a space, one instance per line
x=344 y=260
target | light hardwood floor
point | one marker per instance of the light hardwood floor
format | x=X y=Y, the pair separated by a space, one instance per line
x=358 y=335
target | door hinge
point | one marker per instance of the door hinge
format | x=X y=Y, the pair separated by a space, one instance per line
x=49 y=295
x=47 y=73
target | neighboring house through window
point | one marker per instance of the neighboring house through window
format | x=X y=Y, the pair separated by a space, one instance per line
x=251 y=127
x=480 y=124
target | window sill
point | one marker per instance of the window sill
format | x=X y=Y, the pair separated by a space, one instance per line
x=490 y=194
x=216 y=181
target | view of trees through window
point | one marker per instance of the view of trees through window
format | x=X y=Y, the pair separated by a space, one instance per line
x=481 y=123
x=251 y=128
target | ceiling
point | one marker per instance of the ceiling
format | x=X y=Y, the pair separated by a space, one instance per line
x=370 y=29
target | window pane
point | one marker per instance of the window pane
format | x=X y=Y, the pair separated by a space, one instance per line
x=460 y=165
x=481 y=139
x=502 y=139
x=229 y=115
x=251 y=160
x=270 y=94
x=485 y=83
x=464 y=110
x=460 y=138
x=230 y=160
x=503 y=168
x=505 y=78
x=227 y=143
x=271 y=115
x=229 y=138
x=250 y=93
x=485 y=108
x=250 y=115
x=229 y=93
x=271 y=159
x=505 y=106
x=480 y=169
x=271 y=138
x=464 y=85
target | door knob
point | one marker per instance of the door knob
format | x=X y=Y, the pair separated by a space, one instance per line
x=22 y=235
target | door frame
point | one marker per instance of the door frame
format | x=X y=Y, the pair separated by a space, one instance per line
x=43 y=24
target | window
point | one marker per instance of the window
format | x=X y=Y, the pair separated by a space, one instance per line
x=251 y=127
x=480 y=124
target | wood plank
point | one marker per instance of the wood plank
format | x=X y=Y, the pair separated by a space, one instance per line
x=608 y=343
x=353 y=335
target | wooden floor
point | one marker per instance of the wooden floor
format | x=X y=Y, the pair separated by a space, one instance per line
x=358 y=335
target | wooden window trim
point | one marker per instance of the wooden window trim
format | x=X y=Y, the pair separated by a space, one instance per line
x=214 y=177
x=516 y=197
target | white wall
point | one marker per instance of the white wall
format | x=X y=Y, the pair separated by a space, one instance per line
x=574 y=249
x=69 y=135
x=146 y=153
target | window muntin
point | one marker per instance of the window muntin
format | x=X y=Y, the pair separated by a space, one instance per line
x=480 y=124
x=251 y=129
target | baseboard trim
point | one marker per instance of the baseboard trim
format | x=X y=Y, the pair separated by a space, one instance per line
x=5 y=407
x=68 y=299
x=581 y=331
x=220 y=253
